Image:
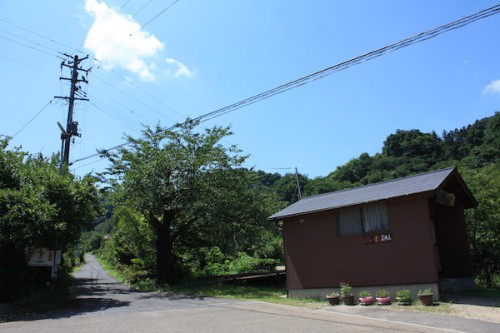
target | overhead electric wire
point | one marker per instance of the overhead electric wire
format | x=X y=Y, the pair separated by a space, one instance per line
x=149 y=95
x=39 y=35
x=30 y=46
x=423 y=36
x=157 y=15
x=123 y=6
x=140 y=9
x=116 y=116
x=133 y=98
x=30 y=41
x=123 y=116
x=36 y=115
x=117 y=45
x=29 y=66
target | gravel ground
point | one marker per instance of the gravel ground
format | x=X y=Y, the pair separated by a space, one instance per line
x=476 y=307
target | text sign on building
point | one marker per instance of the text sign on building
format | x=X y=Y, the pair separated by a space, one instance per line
x=380 y=238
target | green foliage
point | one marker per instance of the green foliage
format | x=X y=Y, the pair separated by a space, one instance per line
x=483 y=222
x=426 y=291
x=345 y=289
x=404 y=296
x=382 y=293
x=218 y=264
x=321 y=185
x=410 y=151
x=286 y=187
x=365 y=293
x=39 y=207
x=43 y=298
x=184 y=191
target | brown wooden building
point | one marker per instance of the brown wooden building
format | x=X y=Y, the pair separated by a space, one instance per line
x=406 y=233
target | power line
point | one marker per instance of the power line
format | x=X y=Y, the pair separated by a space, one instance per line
x=157 y=15
x=29 y=46
x=27 y=65
x=135 y=99
x=351 y=62
x=117 y=45
x=37 y=34
x=30 y=41
x=36 y=115
x=423 y=36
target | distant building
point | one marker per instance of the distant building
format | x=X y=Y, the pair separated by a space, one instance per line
x=405 y=233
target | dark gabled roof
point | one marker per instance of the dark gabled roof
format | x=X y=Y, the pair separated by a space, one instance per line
x=421 y=183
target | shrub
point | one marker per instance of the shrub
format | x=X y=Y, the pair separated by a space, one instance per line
x=427 y=291
x=365 y=293
x=345 y=289
x=382 y=293
x=404 y=296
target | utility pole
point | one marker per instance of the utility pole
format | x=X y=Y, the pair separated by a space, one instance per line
x=71 y=126
x=298 y=184
x=70 y=131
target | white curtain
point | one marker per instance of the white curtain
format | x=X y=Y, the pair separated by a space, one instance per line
x=375 y=218
x=350 y=221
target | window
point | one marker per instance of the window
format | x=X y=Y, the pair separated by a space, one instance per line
x=360 y=220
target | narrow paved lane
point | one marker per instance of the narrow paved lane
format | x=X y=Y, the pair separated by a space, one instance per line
x=103 y=305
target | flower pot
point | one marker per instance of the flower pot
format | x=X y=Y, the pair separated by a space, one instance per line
x=383 y=300
x=426 y=299
x=366 y=300
x=348 y=300
x=333 y=300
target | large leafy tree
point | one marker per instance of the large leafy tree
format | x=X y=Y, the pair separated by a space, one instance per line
x=178 y=180
x=484 y=221
x=39 y=207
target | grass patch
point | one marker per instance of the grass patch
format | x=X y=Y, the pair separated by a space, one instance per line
x=110 y=269
x=276 y=295
x=211 y=288
x=437 y=308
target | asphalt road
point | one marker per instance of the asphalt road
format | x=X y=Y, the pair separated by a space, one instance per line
x=103 y=305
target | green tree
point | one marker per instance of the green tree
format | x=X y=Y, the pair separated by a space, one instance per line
x=39 y=207
x=483 y=222
x=175 y=179
x=324 y=185
x=412 y=143
x=286 y=187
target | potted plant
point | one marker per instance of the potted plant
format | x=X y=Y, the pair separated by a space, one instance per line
x=365 y=297
x=404 y=297
x=425 y=296
x=333 y=298
x=347 y=295
x=383 y=297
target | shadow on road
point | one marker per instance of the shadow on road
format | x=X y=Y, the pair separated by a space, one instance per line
x=471 y=300
x=91 y=297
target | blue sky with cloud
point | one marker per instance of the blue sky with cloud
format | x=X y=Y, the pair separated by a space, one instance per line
x=160 y=62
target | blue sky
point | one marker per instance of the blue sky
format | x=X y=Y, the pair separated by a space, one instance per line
x=199 y=56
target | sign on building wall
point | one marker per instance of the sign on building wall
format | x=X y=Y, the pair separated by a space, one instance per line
x=380 y=238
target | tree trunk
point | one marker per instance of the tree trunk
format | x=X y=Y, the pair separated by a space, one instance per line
x=164 y=251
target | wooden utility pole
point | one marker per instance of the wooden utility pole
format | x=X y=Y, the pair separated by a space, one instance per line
x=71 y=126
x=298 y=183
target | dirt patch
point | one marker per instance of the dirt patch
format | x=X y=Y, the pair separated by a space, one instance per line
x=482 y=308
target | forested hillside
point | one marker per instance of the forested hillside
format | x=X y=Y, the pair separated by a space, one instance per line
x=404 y=153
x=217 y=219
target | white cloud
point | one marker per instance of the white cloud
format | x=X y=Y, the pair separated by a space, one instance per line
x=492 y=87
x=118 y=41
x=180 y=68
